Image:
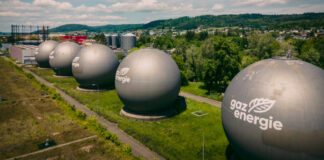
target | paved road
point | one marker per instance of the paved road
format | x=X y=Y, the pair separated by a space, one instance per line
x=201 y=99
x=54 y=147
x=138 y=149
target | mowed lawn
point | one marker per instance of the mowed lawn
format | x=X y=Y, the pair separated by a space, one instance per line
x=28 y=117
x=197 y=88
x=179 y=137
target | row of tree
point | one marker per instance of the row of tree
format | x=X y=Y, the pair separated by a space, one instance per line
x=215 y=59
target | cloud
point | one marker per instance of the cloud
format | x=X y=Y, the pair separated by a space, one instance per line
x=259 y=3
x=53 y=3
x=217 y=7
x=10 y=14
x=141 y=6
x=101 y=12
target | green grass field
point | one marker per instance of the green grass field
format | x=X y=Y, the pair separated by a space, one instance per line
x=197 y=88
x=179 y=137
x=28 y=117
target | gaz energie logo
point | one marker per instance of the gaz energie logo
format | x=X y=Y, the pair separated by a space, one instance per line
x=245 y=112
x=121 y=75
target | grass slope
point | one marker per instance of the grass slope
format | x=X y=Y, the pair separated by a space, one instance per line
x=179 y=137
x=28 y=117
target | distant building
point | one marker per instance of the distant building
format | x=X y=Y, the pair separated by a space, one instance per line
x=23 y=53
x=151 y=32
x=5 y=46
x=76 y=38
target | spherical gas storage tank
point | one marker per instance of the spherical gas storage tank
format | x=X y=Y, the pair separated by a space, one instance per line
x=62 y=56
x=43 y=52
x=95 y=67
x=274 y=110
x=128 y=41
x=148 y=81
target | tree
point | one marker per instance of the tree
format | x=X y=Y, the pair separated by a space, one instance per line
x=262 y=45
x=310 y=55
x=222 y=65
x=194 y=63
x=283 y=48
x=203 y=35
x=298 y=44
x=144 y=40
x=100 y=38
x=207 y=48
x=210 y=76
x=164 y=42
x=179 y=61
x=190 y=35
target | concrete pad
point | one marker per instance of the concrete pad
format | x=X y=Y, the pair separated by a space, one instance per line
x=148 y=117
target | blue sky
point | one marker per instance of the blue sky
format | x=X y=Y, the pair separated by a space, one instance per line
x=100 y=12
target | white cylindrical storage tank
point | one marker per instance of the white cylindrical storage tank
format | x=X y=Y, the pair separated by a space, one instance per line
x=114 y=41
x=108 y=40
x=128 y=41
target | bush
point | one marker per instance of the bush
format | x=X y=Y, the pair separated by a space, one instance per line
x=81 y=115
x=72 y=107
x=115 y=139
x=127 y=148
x=30 y=76
x=120 y=56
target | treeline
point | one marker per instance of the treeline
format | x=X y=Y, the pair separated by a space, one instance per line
x=294 y=21
x=216 y=59
x=259 y=21
x=105 y=28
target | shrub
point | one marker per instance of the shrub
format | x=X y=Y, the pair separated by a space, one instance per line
x=127 y=148
x=81 y=115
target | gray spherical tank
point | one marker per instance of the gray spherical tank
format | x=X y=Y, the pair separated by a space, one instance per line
x=128 y=41
x=148 y=81
x=62 y=56
x=273 y=110
x=95 y=66
x=43 y=52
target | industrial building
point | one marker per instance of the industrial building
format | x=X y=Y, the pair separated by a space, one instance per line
x=23 y=53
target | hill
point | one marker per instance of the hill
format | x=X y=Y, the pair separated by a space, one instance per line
x=305 y=20
x=292 y=21
x=105 y=28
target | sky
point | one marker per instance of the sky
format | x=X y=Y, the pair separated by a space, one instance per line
x=101 y=12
